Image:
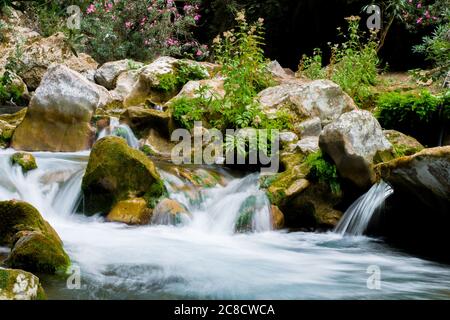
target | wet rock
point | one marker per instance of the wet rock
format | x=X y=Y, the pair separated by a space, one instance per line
x=190 y=89
x=170 y=212
x=117 y=172
x=353 y=142
x=309 y=128
x=35 y=244
x=131 y=211
x=20 y=285
x=277 y=218
x=25 y=160
x=142 y=119
x=59 y=115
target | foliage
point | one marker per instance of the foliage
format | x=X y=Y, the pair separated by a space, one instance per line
x=353 y=64
x=142 y=29
x=184 y=72
x=11 y=91
x=323 y=170
x=436 y=48
x=413 y=113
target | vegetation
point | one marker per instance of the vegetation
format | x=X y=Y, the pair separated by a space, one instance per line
x=323 y=170
x=353 y=64
x=184 y=72
x=415 y=113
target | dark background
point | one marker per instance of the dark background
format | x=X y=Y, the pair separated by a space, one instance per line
x=296 y=27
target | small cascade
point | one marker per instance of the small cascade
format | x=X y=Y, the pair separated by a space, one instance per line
x=240 y=206
x=358 y=216
x=120 y=130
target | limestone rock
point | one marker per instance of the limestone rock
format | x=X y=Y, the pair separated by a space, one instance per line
x=132 y=211
x=20 y=285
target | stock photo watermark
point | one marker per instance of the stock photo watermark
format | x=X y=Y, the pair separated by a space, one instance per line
x=374 y=280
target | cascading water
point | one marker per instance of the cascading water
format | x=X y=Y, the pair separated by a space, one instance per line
x=358 y=216
x=120 y=130
x=204 y=258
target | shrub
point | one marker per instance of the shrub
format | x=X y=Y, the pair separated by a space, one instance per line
x=419 y=114
x=323 y=170
x=353 y=64
x=184 y=72
x=142 y=29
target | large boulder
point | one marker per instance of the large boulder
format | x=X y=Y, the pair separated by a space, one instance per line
x=131 y=211
x=37 y=57
x=35 y=244
x=320 y=98
x=355 y=141
x=141 y=120
x=117 y=172
x=417 y=214
x=20 y=285
x=170 y=212
x=147 y=89
x=59 y=115
x=108 y=73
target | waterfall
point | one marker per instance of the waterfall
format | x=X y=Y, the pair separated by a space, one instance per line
x=358 y=216
x=120 y=130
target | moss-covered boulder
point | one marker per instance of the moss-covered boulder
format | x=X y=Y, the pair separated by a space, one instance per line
x=6 y=133
x=20 y=285
x=131 y=211
x=35 y=244
x=403 y=144
x=170 y=212
x=117 y=172
x=247 y=212
x=25 y=160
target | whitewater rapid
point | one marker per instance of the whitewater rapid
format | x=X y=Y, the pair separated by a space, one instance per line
x=205 y=258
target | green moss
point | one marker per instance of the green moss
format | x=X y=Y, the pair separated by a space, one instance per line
x=25 y=160
x=8 y=278
x=37 y=252
x=117 y=172
x=246 y=212
x=323 y=170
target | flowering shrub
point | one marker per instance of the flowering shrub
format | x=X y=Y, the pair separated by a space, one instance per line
x=142 y=29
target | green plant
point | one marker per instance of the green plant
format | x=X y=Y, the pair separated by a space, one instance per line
x=353 y=64
x=415 y=113
x=184 y=72
x=323 y=170
x=436 y=49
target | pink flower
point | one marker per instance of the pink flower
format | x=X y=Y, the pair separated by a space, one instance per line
x=419 y=5
x=419 y=21
x=199 y=53
x=427 y=14
x=128 y=24
x=197 y=17
x=90 y=9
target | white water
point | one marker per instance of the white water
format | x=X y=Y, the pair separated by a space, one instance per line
x=120 y=130
x=358 y=216
x=204 y=259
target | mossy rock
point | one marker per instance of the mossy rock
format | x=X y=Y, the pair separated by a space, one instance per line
x=170 y=212
x=247 y=212
x=25 y=160
x=117 y=172
x=17 y=216
x=20 y=285
x=37 y=252
x=35 y=244
x=403 y=144
x=131 y=211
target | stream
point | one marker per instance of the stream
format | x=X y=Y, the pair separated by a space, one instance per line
x=204 y=258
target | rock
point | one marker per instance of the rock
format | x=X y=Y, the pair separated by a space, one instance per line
x=6 y=133
x=420 y=204
x=403 y=145
x=353 y=142
x=307 y=145
x=142 y=119
x=59 y=115
x=43 y=52
x=158 y=145
x=14 y=119
x=117 y=172
x=320 y=98
x=124 y=83
x=25 y=160
x=247 y=212
x=277 y=218
x=309 y=128
x=35 y=244
x=170 y=212
x=145 y=90
x=190 y=89
x=108 y=73
x=287 y=138
x=278 y=72
x=131 y=211
x=20 y=285
x=425 y=176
